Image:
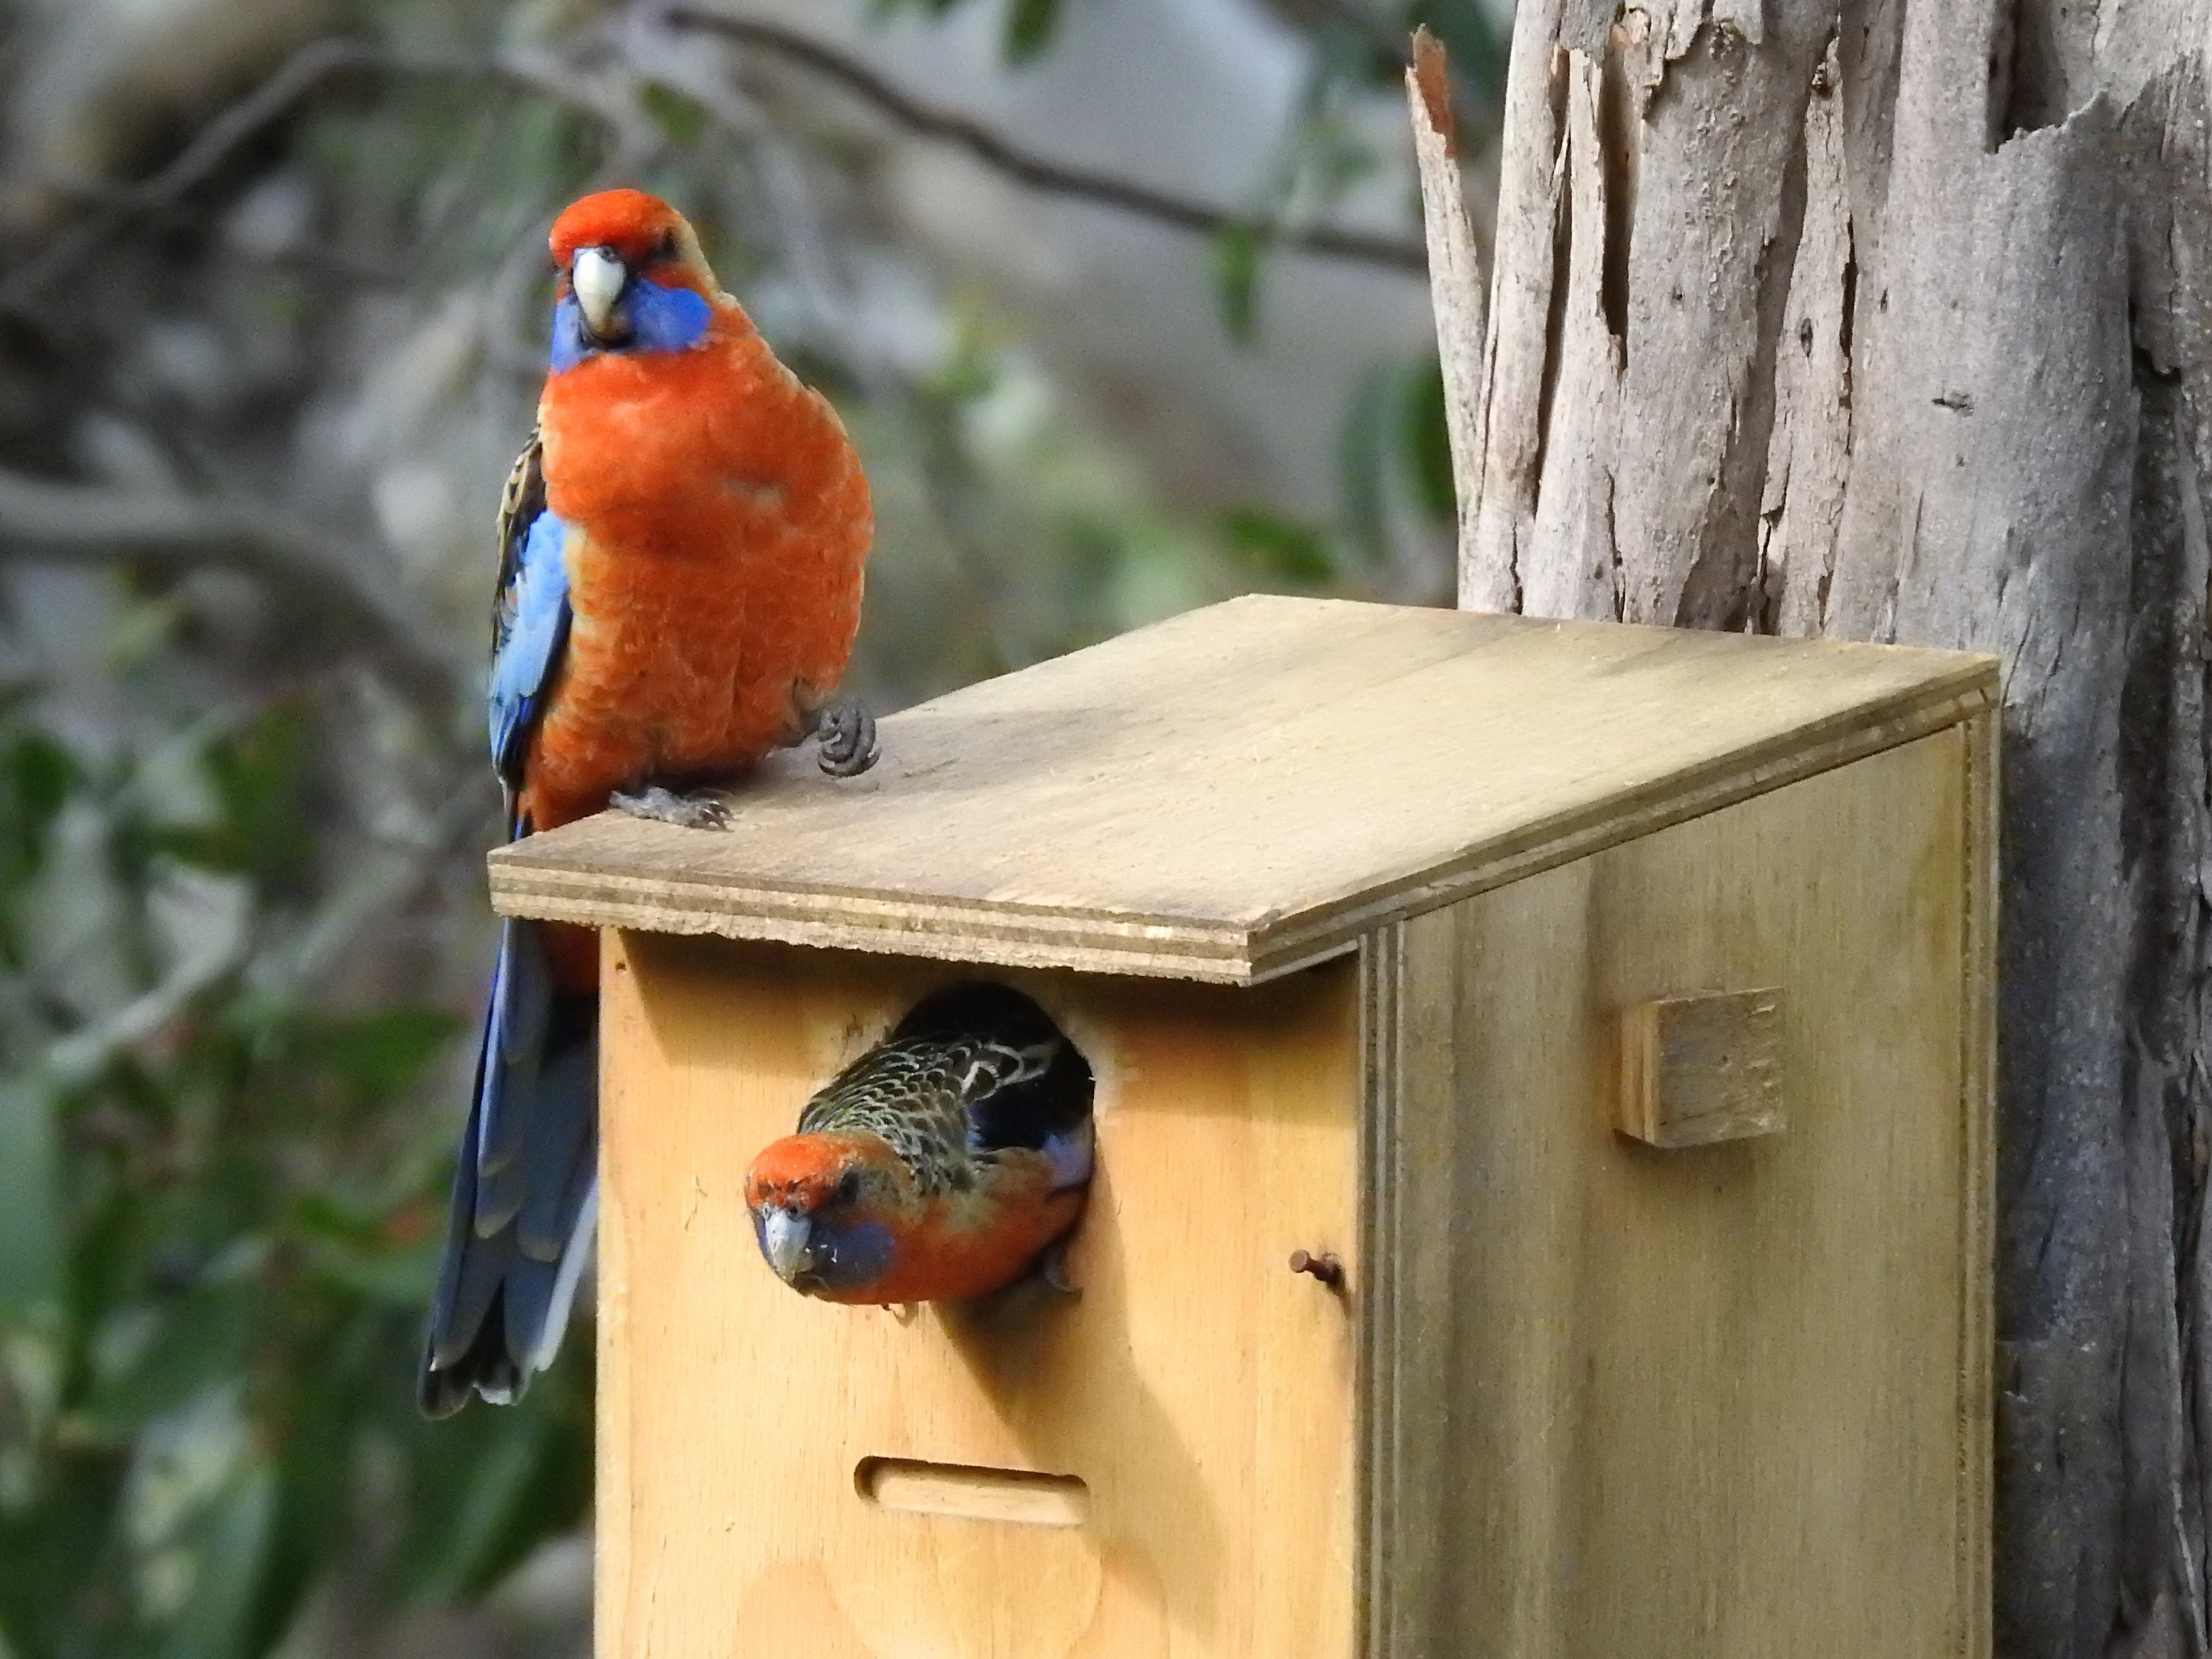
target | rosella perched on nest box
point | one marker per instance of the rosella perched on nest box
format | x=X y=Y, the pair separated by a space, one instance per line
x=680 y=550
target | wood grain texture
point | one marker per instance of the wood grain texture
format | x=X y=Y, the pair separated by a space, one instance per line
x=1977 y=1215
x=1397 y=1535
x=1246 y=789
x=1202 y=1391
x=1698 y=1069
x=1894 y=320
x=1728 y=1402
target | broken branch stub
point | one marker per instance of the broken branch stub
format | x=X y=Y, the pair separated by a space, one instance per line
x=1454 y=259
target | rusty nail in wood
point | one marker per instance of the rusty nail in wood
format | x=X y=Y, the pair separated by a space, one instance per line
x=1326 y=1268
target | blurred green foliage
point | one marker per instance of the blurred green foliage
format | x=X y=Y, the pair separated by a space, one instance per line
x=217 y=1237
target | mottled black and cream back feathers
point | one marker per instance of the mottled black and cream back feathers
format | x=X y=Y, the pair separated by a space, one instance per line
x=972 y=1069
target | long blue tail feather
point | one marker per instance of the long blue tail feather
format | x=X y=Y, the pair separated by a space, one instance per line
x=517 y=1033
x=524 y=1187
x=558 y=1161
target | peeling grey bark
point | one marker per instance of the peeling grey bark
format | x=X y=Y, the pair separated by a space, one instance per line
x=1893 y=322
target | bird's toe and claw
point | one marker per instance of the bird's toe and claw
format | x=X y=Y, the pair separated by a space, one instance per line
x=848 y=735
x=1052 y=1270
x=700 y=810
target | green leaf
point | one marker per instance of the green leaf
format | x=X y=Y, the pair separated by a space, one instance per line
x=376 y=1057
x=373 y=1266
x=680 y=118
x=59 y=1566
x=884 y=9
x=1277 y=547
x=1030 y=27
x=260 y=775
x=500 y=1479
x=36 y=778
x=1237 y=250
x=489 y=1485
x=233 y=1541
x=31 y=1215
x=203 y=1339
x=1363 y=459
x=39 y=774
x=316 y=1492
x=1426 y=441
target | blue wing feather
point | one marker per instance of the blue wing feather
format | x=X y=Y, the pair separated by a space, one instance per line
x=531 y=638
x=524 y=1185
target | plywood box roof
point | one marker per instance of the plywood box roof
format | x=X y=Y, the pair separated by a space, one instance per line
x=1247 y=788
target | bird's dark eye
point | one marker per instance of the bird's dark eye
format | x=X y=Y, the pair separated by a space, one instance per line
x=848 y=1188
x=665 y=248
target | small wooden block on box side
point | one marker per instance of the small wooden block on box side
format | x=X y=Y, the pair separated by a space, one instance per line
x=1698 y=1069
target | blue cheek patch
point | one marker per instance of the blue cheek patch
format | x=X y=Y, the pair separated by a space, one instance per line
x=667 y=318
x=853 y=1255
x=1069 y=1157
x=569 y=348
x=660 y=319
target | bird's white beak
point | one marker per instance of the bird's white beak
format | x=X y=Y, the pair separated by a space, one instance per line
x=785 y=1236
x=597 y=278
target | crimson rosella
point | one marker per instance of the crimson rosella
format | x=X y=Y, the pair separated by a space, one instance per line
x=944 y=1163
x=680 y=555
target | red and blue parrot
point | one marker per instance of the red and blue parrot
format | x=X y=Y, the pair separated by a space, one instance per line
x=947 y=1162
x=681 y=547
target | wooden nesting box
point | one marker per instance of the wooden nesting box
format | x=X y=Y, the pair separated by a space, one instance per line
x=1613 y=1002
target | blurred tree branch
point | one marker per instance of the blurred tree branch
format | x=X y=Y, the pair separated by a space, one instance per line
x=636 y=139
x=94 y=524
x=1034 y=171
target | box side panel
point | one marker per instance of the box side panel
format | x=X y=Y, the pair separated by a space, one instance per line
x=1716 y=1402
x=1978 y=1065
x=1200 y=1390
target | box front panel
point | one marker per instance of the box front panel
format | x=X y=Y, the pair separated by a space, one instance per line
x=780 y=1474
x=1718 y=1401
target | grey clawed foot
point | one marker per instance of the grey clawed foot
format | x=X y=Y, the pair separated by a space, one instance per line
x=1052 y=1268
x=663 y=805
x=848 y=733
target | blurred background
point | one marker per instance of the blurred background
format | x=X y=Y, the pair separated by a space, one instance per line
x=1123 y=302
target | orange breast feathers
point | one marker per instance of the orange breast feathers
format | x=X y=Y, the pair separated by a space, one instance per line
x=718 y=521
x=951 y=1251
x=891 y=1243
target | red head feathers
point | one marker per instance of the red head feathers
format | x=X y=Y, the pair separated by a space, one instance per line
x=644 y=232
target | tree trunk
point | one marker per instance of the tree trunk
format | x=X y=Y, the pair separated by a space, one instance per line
x=1895 y=325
